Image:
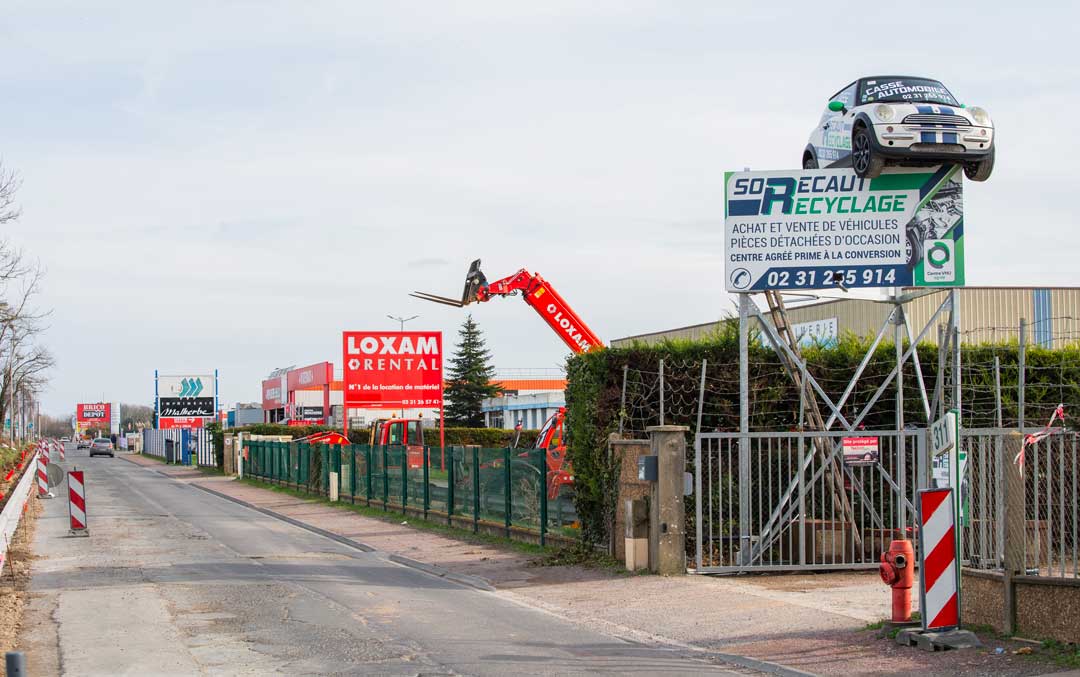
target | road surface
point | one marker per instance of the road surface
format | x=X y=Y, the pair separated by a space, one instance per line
x=173 y=580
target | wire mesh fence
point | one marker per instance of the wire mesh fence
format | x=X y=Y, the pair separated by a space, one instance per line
x=508 y=488
x=1051 y=502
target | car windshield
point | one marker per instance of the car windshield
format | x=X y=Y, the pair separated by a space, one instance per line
x=904 y=89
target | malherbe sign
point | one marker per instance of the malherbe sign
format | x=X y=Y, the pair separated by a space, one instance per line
x=392 y=369
x=186 y=406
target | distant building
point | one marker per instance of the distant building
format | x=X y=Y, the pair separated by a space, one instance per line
x=529 y=396
x=244 y=413
x=987 y=314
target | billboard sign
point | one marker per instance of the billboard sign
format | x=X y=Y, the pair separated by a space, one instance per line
x=176 y=422
x=186 y=406
x=311 y=376
x=185 y=396
x=198 y=385
x=273 y=393
x=392 y=370
x=309 y=413
x=96 y=415
x=827 y=228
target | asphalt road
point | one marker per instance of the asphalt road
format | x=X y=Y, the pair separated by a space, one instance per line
x=173 y=580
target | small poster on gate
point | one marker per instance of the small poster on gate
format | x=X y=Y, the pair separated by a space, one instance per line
x=860 y=451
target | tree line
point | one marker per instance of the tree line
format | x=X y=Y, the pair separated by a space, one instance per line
x=25 y=361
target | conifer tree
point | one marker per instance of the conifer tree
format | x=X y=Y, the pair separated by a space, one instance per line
x=469 y=378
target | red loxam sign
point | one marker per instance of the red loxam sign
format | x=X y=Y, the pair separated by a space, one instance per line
x=392 y=370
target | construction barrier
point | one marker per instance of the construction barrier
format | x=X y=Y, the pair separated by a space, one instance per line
x=77 y=502
x=63 y=451
x=43 y=475
x=13 y=511
x=939 y=575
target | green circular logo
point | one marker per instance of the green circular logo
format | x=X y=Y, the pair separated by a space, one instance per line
x=938 y=255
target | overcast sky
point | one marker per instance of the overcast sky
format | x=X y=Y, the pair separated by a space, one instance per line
x=230 y=184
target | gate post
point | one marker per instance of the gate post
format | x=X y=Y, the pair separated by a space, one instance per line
x=667 y=526
x=1015 y=564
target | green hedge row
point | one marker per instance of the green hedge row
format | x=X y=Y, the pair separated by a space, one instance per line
x=595 y=386
x=484 y=437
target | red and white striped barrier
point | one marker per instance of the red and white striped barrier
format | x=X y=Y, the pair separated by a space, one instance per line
x=43 y=475
x=939 y=576
x=77 y=502
x=62 y=450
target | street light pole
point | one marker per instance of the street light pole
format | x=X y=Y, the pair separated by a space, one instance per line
x=402 y=320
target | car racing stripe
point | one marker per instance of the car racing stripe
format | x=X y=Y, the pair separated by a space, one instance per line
x=928 y=137
x=948 y=137
x=925 y=110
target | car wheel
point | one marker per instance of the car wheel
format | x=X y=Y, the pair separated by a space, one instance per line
x=980 y=171
x=809 y=162
x=866 y=163
x=915 y=247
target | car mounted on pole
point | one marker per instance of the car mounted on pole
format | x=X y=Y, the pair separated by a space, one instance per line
x=898 y=120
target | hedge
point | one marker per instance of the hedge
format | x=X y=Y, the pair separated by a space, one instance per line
x=595 y=385
x=484 y=437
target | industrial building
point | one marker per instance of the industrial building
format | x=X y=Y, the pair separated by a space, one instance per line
x=987 y=315
x=528 y=397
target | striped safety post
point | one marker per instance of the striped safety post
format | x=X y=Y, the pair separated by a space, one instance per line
x=63 y=451
x=43 y=476
x=77 y=503
x=939 y=575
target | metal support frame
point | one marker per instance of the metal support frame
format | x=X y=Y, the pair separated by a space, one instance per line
x=783 y=510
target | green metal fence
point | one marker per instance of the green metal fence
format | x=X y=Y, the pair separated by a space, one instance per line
x=509 y=488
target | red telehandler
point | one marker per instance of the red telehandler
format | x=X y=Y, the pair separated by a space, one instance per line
x=539 y=294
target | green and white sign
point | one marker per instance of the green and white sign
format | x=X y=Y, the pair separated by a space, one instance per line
x=827 y=228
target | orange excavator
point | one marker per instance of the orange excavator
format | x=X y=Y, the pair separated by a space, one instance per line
x=537 y=292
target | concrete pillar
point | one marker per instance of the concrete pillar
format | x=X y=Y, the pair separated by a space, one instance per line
x=1013 y=489
x=667 y=524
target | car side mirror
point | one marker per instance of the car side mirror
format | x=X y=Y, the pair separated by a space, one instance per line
x=837 y=107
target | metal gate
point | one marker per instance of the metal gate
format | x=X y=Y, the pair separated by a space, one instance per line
x=789 y=501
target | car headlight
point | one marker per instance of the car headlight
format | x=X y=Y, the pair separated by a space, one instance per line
x=982 y=118
x=884 y=112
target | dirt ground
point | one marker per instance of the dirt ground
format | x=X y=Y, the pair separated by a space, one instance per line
x=16 y=578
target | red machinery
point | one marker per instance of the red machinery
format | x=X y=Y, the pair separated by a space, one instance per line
x=537 y=292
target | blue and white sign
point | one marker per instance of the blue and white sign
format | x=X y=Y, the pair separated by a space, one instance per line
x=827 y=228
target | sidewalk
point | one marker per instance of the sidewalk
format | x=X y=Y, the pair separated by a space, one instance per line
x=813 y=623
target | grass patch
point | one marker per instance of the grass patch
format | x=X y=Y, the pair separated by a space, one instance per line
x=415 y=522
x=582 y=554
x=152 y=458
x=874 y=626
x=1061 y=653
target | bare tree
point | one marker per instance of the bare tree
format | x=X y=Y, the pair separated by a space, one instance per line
x=24 y=363
x=9 y=185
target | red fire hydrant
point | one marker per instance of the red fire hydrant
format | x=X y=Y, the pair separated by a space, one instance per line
x=897 y=569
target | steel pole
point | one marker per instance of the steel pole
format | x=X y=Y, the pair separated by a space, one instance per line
x=744 y=430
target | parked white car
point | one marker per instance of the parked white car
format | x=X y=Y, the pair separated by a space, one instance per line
x=900 y=120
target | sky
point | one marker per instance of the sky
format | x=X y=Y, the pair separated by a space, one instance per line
x=229 y=185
